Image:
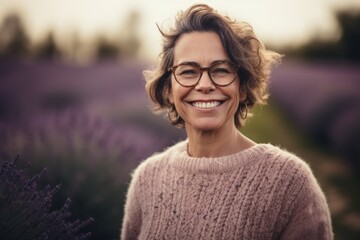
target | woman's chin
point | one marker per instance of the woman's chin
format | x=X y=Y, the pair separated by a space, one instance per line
x=204 y=126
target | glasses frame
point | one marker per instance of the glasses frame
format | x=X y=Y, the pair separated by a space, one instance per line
x=202 y=69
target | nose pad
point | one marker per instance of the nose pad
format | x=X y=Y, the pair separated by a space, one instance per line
x=205 y=83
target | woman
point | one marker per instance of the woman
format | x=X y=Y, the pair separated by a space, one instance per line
x=219 y=184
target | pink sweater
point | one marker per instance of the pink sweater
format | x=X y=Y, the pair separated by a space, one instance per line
x=259 y=193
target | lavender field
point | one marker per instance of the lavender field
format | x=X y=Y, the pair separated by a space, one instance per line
x=91 y=125
x=324 y=101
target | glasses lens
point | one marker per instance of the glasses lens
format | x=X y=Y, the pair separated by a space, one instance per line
x=187 y=74
x=223 y=73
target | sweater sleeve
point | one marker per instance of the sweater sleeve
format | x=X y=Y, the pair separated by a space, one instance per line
x=309 y=215
x=131 y=224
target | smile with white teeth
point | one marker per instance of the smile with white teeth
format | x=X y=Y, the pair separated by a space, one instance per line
x=206 y=105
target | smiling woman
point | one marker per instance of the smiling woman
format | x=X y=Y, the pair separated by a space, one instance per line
x=205 y=105
x=219 y=184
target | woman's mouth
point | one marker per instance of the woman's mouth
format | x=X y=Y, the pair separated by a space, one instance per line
x=206 y=105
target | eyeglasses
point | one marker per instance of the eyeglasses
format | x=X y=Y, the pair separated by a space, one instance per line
x=221 y=73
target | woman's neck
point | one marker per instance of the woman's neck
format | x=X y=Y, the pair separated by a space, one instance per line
x=221 y=142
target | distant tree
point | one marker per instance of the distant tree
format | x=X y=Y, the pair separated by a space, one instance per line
x=350 y=38
x=106 y=49
x=48 y=49
x=127 y=43
x=346 y=47
x=14 y=41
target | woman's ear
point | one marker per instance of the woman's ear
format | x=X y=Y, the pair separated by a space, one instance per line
x=171 y=98
x=242 y=94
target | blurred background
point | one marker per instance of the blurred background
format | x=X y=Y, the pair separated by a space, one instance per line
x=72 y=96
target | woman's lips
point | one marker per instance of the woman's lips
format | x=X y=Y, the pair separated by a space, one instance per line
x=206 y=104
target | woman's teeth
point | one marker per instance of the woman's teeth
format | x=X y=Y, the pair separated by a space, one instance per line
x=206 y=104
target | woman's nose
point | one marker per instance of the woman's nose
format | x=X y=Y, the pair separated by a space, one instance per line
x=205 y=84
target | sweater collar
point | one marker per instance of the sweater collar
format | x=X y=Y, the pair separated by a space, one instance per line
x=179 y=158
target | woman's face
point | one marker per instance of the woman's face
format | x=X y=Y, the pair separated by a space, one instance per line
x=205 y=106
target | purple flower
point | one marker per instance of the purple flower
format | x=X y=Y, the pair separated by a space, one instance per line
x=27 y=213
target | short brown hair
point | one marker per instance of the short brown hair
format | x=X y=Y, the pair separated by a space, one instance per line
x=240 y=44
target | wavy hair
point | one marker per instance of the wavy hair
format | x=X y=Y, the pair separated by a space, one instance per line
x=241 y=45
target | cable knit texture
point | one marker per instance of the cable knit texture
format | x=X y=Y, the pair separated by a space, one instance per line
x=260 y=193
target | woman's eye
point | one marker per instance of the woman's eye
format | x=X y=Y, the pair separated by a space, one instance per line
x=188 y=72
x=221 y=71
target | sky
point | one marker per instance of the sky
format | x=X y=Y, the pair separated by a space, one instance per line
x=278 y=22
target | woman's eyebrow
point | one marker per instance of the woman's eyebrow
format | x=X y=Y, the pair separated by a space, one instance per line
x=189 y=63
x=198 y=64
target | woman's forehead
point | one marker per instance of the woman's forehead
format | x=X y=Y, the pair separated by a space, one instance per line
x=200 y=47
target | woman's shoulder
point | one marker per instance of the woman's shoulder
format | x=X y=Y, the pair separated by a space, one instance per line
x=301 y=195
x=292 y=171
x=286 y=159
x=291 y=176
x=287 y=169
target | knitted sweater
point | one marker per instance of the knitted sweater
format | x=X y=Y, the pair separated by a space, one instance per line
x=260 y=193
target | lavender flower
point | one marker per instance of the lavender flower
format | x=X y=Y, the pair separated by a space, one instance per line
x=25 y=211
